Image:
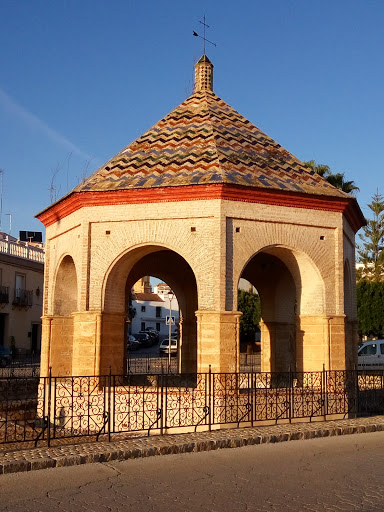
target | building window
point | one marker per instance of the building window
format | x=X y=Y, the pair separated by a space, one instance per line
x=158 y=311
x=143 y=325
x=158 y=328
x=143 y=309
x=19 y=282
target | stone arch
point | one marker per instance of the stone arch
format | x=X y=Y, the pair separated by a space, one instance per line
x=143 y=235
x=291 y=288
x=305 y=273
x=64 y=305
x=65 y=295
x=128 y=267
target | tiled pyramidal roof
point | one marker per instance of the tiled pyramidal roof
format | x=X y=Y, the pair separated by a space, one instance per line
x=205 y=141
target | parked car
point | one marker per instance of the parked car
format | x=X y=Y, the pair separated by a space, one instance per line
x=153 y=333
x=5 y=356
x=152 y=336
x=132 y=343
x=144 y=339
x=370 y=356
x=164 y=347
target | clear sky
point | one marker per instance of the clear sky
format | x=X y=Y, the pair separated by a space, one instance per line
x=81 y=79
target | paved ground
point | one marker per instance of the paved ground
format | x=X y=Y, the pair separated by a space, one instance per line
x=328 y=474
x=64 y=452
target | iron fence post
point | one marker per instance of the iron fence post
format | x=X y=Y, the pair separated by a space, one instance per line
x=162 y=408
x=324 y=392
x=49 y=405
x=252 y=391
x=210 y=398
x=109 y=403
x=290 y=394
x=357 y=394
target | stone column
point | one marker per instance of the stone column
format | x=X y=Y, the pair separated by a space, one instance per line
x=113 y=347
x=218 y=341
x=45 y=345
x=99 y=343
x=321 y=340
x=266 y=350
x=86 y=343
x=56 y=345
x=188 y=349
x=278 y=342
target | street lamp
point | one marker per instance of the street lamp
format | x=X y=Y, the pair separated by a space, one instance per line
x=171 y=296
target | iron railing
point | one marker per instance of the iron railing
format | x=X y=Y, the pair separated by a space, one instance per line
x=141 y=362
x=34 y=409
x=4 y=294
x=151 y=364
x=22 y=298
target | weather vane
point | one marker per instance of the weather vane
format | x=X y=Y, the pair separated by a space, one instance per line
x=203 y=38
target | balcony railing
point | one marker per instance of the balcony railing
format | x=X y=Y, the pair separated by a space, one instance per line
x=22 y=298
x=22 y=249
x=4 y=294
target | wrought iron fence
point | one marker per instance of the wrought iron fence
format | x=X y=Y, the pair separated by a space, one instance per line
x=141 y=362
x=52 y=408
x=151 y=364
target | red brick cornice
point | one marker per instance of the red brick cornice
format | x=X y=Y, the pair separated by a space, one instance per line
x=77 y=200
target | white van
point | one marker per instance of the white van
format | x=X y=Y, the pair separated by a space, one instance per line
x=370 y=355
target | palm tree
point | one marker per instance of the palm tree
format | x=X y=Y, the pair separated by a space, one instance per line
x=337 y=179
x=320 y=169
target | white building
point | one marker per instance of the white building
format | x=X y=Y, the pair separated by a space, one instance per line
x=21 y=294
x=152 y=308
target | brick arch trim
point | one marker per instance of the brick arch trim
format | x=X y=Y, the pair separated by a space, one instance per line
x=112 y=292
x=306 y=275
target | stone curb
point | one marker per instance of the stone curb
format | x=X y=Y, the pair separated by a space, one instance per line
x=71 y=455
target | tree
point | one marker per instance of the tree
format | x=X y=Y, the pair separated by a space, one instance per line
x=370 y=308
x=320 y=169
x=337 y=179
x=371 y=255
x=249 y=304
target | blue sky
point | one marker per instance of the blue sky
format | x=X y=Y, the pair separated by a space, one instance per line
x=82 y=79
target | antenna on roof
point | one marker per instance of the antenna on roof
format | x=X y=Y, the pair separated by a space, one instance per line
x=203 y=37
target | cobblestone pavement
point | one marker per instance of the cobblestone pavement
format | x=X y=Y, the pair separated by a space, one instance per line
x=337 y=474
x=13 y=460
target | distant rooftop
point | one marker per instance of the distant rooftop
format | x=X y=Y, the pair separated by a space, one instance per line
x=25 y=250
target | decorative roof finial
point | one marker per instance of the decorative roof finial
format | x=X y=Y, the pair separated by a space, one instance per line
x=204 y=75
x=203 y=38
x=203 y=68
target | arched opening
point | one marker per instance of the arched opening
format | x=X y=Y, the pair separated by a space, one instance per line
x=64 y=304
x=290 y=289
x=166 y=266
x=153 y=327
x=65 y=294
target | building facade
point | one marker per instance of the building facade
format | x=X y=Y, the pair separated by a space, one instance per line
x=152 y=309
x=21 y=295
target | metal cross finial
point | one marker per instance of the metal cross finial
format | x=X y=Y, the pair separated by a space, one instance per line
x=203 y=38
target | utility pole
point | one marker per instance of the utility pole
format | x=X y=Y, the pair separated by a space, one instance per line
x=10 y=222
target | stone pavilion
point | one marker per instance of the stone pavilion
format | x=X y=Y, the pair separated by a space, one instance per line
x=200 y=200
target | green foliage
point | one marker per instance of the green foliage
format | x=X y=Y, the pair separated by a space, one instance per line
x=249 y=304
x=372 y=252
x=337 y=179
x=370 y=308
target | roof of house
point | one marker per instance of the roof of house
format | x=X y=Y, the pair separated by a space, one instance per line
x=205 y=141
x=148 y=297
